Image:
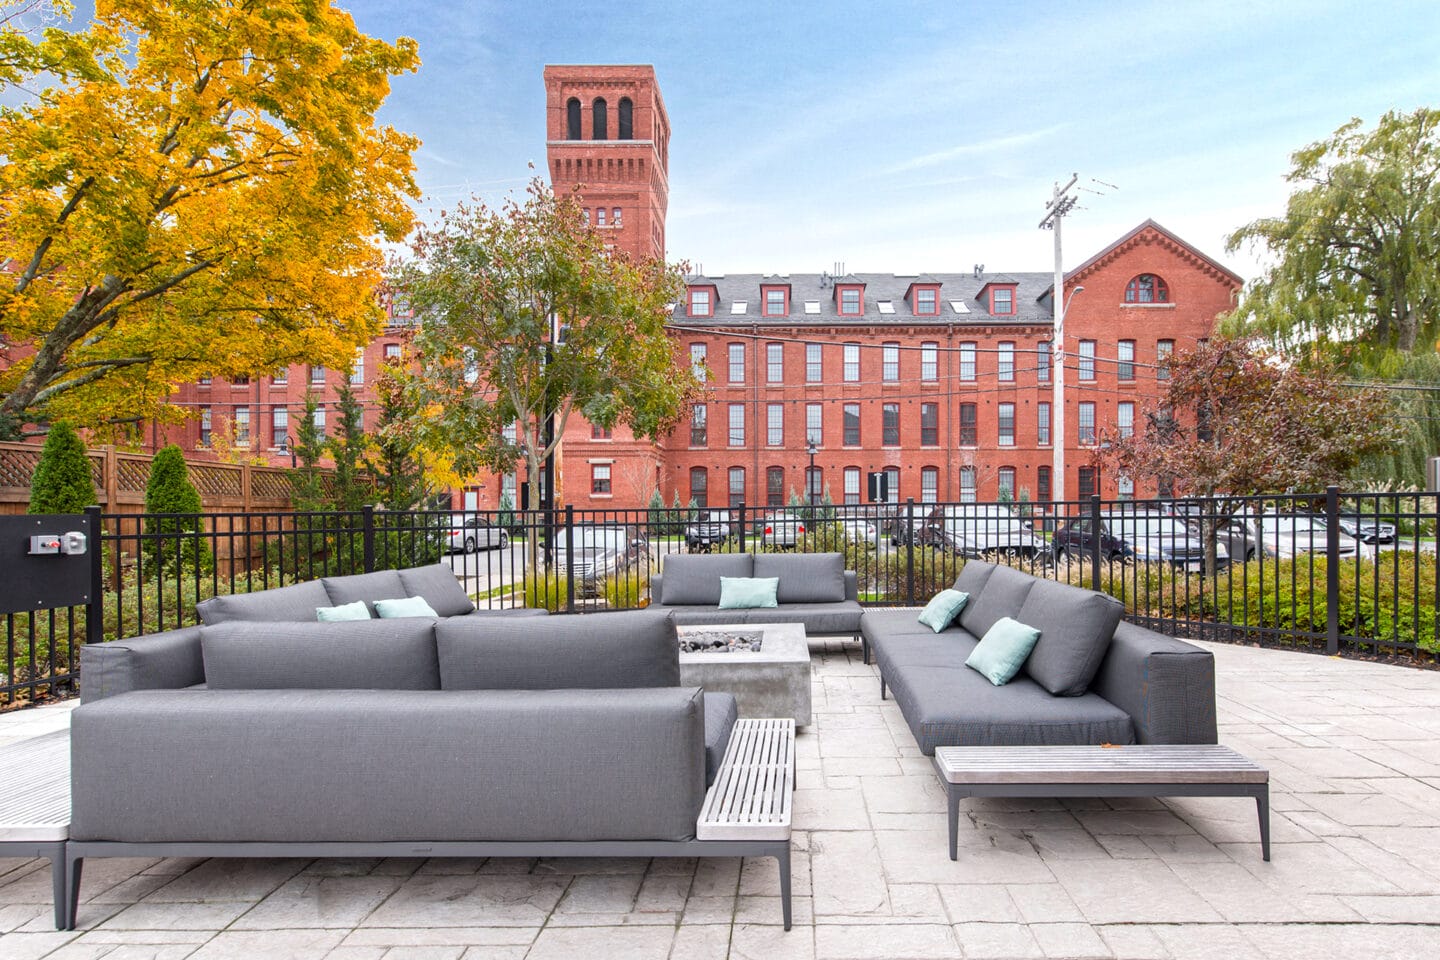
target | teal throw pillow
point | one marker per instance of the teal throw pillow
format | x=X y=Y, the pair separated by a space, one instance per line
x=1001 y=652
x=346 y=611
x=741 y=593
x=409 y=607
x=943 y=608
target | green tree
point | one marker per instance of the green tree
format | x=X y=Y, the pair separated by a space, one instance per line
x=307 y=483
x=493 y=289
x=172 y=508
x=62 y=482
x=348 y=448
x=658 y=520
x=396 y=462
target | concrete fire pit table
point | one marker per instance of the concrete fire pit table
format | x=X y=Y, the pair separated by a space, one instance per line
x=771 y=682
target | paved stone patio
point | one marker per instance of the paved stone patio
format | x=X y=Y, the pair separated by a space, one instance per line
x=1354 y=754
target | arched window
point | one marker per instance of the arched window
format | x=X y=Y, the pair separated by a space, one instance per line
x=699 y=485
x=627 y=119
x=1147 y=288
x=572 y=119
x=597 y=125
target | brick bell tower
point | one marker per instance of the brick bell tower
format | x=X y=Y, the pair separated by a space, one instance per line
x=607 y=132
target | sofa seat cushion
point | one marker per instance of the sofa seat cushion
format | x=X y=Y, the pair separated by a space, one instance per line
x=358 y=655
x=380 y=585
x=1075 y=629
x=436 y=582
x=694 y=578
x=509 y=612
x=299 y=601
x=804 y=577
x=721 y=712
x=1002 y=595
x=883 y=629
x=819 y=618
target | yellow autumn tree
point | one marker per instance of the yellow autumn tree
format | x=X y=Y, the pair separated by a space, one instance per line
x=202 y=188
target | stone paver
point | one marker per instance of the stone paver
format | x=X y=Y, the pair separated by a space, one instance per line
x=1354 y=750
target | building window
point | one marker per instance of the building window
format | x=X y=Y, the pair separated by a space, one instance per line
x=1006 y=367
x=1087 y=482
x=894 y=484
x=317 y=376
x=357 y=369
x=814 y=417
x=852 y=424
x=1124 y=487
x=1042 y=483
x=1125 y=357
x=585 y=213
x=814 y=369
x=240 y=382
x=1147 y=288
x=698 y=432
x=890 y=362
x=281 y=377
x=572 y=119
x=1125 y=419
x=600 y=479
x=737 y=363
x=205 y=381
x=814 y=478
x=775 y=362
x=392 y=351
x=1042 y=423
x=205 y=426
x=697 y=361
x=852 y=485
x=929 y=424
x=1042 y=361
x=1006 y=480
x=967 y=361
x=615 y=216
x=929 y=484
x=737 y=486
x=890 y=425
x=319 y=422
x=774 y=486
x=242 y=426
x=600 y=217
x=1164 y=350
x=1087 y=360
x=969 y=432
x=967 y=484
x=1002 y=301
x=852 y=363
x=598 y=120
x=598 y=432
x=279 y=426
x=927 y=304
x=626 y=119
x=699 y=486
x=929 y=362
x=737 y=424
x=775 y=305
x=850 y=302
x=699 y=303
x=1006 y=417
x=775 y=424
x=1086 y=437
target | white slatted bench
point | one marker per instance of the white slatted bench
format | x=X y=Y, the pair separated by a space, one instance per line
x=1137 y=770
x=751 y=797
x=35 y=805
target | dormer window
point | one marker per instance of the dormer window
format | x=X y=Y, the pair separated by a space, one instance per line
x=1147 y=288
x=852 y=302
x=777 y=302
x=700 y=302
x=925 y=301
x=1002 y=301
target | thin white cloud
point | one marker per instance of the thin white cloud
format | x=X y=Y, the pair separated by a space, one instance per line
x=993 y=145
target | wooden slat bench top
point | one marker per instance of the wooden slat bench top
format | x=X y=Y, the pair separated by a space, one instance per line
x=35 y=792
x=751 y=796
x=1135 y=763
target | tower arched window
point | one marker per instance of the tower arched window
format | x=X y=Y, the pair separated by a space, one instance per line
x=572 y=119
x=598 y=120
x=627 y=119
x=1147 y=288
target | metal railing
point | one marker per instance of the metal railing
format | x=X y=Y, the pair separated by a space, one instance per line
x=1272 y=570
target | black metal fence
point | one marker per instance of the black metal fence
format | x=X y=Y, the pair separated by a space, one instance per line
x=1334 y=572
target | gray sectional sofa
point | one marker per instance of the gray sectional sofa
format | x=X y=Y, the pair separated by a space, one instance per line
x=814 y=589
x=1091 y=678
x=454 y=736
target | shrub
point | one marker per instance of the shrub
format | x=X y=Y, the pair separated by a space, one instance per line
x=623 y=590
x=175 y=541
x=550 y=591
x=62 y=482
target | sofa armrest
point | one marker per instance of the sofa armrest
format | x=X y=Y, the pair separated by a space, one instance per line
x=655 y=589
x=1166 y=685
x=852 y=585
x=169 y=660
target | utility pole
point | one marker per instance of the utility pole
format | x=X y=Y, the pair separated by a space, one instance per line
x=1059 y=204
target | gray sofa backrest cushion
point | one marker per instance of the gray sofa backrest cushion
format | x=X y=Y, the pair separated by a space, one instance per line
x=1003 y=596
x=295 y=602
x=636 y=648
x=354 y=655
x=694 y=578
x=437 y=584
x=1075 y=629
x=804 y=577
x=973 y=577
x=369 y=587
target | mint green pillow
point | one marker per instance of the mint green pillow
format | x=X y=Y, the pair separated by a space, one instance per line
x=742 y=593
x=409 y=607
x=1001 y=652
x=943 y=608
x=346 y=611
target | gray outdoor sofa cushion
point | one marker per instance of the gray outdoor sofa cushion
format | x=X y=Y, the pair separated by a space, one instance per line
x=268 y=765
x=295 y=602
x=804 y=577
x=818 y=618
x=694 y=579
x=436 y=582
x=700 y=576
x=1166 y=685
x=1003 y=595
x=369 y=587
x=168 y=660
x=350 y=655
x=721 y=712
x=1075 y=629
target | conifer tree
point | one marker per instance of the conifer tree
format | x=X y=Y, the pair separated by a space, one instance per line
x=62 y=482
x=172 y=506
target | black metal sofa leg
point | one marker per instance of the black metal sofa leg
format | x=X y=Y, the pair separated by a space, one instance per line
x=73 y=866
x=59 y=889
x=784 y=857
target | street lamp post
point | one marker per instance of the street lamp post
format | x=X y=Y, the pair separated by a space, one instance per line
x=810 y=474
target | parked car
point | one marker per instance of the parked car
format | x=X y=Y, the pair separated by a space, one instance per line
x=599 y=551
x=784 y=528
x=859 y=531
x=981 y=530
x=1368 y=529
x=1237 y=537
x=473 y=533
x=708 y=528
x=1291 y=534
x=1137 y=535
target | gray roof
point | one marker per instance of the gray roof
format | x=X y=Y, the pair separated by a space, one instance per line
x=1032 y=301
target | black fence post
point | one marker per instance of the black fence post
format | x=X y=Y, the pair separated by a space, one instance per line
x=367 y=526
x=1332 y=570
x=95 y=610
x=569 y=558
x=909 y=541
x=742 y=526
x=1095 y=542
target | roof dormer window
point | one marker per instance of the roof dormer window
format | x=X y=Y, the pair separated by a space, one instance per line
x=776 y=301
x=851 y=299
x=925 y=301
x=701 y=304
x=1002 y=301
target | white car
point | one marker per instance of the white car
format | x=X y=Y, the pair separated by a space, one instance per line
x=473 y=533
x=1289 y=535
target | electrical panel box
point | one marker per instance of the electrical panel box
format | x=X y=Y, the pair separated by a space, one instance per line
x=46 y=560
